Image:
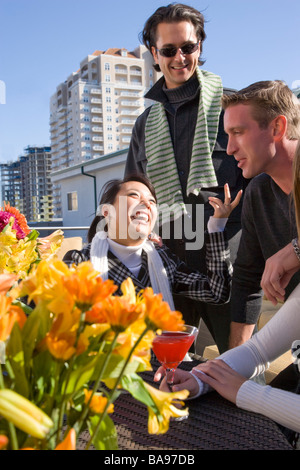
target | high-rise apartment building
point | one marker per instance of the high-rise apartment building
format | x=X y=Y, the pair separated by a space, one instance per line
x=26 y=184
x=93 y=112
x=11 y=184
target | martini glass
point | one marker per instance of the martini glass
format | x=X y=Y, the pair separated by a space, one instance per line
x=170 y=348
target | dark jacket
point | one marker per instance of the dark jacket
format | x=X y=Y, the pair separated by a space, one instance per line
x=182 y=115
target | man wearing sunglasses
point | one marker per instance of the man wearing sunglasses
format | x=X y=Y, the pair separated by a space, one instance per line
x=180 y=143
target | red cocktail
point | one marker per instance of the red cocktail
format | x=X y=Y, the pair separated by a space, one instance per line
x=171 y=347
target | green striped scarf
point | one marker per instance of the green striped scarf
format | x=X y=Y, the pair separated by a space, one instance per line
x=161 y=164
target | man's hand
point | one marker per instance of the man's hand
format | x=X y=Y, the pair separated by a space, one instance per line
x=279 y=269
x=220 y=377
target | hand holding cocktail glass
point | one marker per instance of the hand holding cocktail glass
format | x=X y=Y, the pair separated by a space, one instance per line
x=170 y=348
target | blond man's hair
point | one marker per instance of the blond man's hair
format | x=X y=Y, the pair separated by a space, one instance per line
x=268 y=100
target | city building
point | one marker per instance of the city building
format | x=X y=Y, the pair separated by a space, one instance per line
x=93 y=112
x=81 y=187
x=26 y=184
x=11 y=184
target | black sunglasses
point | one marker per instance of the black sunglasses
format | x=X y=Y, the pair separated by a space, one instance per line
x=172 y=51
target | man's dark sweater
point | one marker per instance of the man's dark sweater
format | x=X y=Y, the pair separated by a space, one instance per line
x=268 y=224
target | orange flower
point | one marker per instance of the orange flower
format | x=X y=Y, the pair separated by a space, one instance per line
x=19 y=218
x=69 y=442
x=120 y=313
x=86 y=287
x=128 y=338
x=9 y=315
x=61 y=289
x=61 y=347
x=44 y=284
x=3 y=441
x=97 y=403
x=96 y=314
x=158 y=313
x=61 y=338
x=6 y=281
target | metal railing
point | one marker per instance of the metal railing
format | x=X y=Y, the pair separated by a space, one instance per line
x=39 y=229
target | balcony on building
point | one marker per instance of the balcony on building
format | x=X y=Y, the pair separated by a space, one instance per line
x=96 y=101
x=96 y=91
x=96 y=110
x=97 y=148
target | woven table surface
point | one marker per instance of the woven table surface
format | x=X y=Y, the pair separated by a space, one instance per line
x=213 y=424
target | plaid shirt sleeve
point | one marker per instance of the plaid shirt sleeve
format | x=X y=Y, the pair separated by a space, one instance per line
x=212 y=287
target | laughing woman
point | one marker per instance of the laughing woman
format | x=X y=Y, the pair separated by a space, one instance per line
x=119 y=245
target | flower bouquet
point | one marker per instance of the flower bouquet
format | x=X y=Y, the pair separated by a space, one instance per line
x=70 y=350
x=20 y=248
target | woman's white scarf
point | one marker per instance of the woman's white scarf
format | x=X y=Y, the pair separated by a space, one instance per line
x=157 y=272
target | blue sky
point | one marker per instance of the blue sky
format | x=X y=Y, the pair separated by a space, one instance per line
x=43 y=41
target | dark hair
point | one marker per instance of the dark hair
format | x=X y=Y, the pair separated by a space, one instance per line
x=173 y=13
x=109 y=193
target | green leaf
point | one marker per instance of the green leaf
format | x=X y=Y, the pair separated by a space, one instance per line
x=15 y=355
x=30 y=336
x=115 y=366
x=41 y=316
x=136 y=387
x=43 y=373
x=33 y=235
x=26 y=309
x=81 y=375
x=106 y=438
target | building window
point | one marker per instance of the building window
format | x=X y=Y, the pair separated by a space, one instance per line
x=107 y=90
x=107 y=78
x=108 y=99
x=106 y=66
x=72 y=201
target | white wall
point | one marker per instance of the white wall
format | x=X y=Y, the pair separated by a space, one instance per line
x=71 y=179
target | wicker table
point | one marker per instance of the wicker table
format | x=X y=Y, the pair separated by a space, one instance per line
x=213 y=424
